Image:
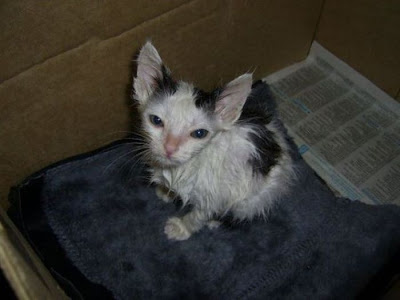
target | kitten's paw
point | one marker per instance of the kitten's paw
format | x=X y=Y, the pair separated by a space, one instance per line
x=176 y=230
x=213 y=224
x=163 y=194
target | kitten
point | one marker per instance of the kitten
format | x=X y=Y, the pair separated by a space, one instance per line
x=214 y=150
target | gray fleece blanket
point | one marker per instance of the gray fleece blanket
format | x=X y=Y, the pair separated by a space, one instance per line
x=312 y=246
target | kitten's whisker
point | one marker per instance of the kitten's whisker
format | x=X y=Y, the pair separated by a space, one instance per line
x=117 y=136
x=136 y=161
x=112 y=148
x=129 y=135
x=143 y=134
x=136 y=142
x=120 y=145
x=120 y=157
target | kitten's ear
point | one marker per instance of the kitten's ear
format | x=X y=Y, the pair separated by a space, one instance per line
x=149 y=69
x=230 y=102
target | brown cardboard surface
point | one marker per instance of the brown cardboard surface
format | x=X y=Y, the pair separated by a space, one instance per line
x=366 y=35
x=32 y=32
x=78 y=100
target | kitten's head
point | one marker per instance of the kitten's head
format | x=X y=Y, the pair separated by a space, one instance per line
x=178 y=119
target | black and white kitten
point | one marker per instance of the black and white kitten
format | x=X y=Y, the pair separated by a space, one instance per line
x=214 y=150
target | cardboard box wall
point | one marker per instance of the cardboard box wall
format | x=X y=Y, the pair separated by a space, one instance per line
x=65 y=73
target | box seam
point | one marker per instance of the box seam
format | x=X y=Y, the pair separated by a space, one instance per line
x=98 y=40
x=314 y=36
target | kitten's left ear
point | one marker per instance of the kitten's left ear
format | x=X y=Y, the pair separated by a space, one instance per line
x=149 y=69
x=230 y=102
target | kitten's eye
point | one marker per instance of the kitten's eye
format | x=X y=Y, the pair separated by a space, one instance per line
x=156 y=121
x=199 y=133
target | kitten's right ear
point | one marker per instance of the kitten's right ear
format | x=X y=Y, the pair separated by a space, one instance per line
x=149 y=69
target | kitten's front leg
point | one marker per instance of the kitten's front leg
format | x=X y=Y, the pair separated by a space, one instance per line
x=164 y=194
x=182 y=228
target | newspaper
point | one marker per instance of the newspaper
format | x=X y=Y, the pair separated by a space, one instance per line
x=346 y=128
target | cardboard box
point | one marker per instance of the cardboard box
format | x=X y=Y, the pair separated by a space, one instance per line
x=66 y=72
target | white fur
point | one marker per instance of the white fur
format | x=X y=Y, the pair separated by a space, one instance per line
x=213 y=174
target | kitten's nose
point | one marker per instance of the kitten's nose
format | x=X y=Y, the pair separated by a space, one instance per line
x=171 y=145
x=169 y=152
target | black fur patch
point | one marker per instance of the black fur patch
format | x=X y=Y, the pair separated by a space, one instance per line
x=259 y=107
x=166 y=84
x=258 y=111
x=206 y=101
x=267 y=148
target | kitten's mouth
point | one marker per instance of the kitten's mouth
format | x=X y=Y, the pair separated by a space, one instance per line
x=173 y=162
x=168 y=161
